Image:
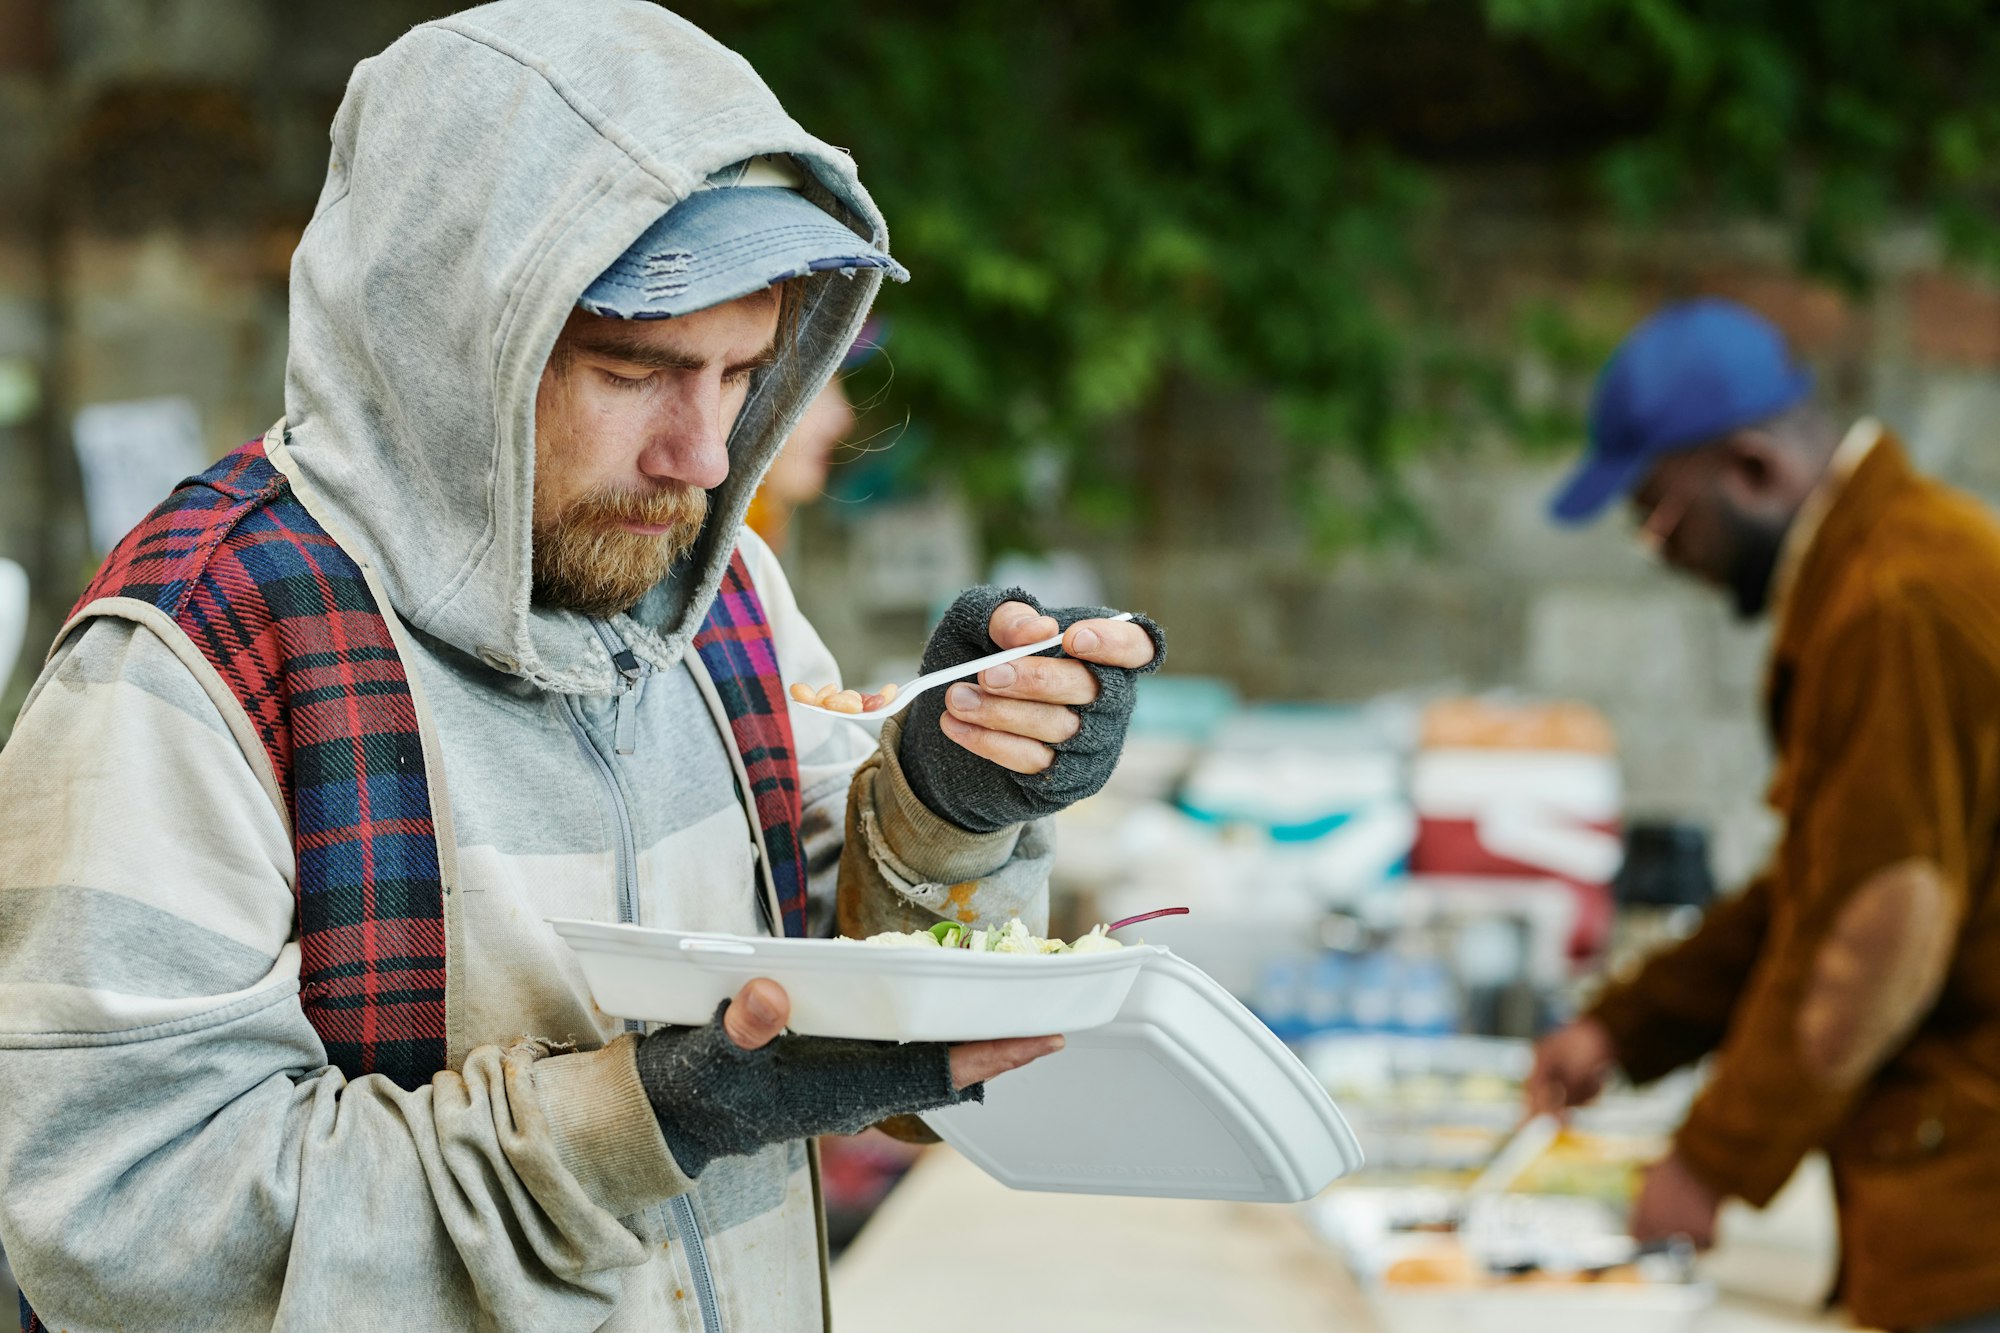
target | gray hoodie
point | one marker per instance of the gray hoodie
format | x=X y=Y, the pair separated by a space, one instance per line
x=175 y=1151
x=485 y=169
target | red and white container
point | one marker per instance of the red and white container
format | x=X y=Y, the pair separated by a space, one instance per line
x=1522 y=792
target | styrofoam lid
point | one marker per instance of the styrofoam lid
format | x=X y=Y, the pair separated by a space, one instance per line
x=1184 y=1095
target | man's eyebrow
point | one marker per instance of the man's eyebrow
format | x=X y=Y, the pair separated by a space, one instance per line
x=767 y=357
x=620 y=345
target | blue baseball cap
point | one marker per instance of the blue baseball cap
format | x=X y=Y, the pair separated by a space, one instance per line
x=1691 y=373
x=746 y=228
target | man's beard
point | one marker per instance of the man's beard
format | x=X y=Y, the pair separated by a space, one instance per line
x=1754 y=548
x=585 y=561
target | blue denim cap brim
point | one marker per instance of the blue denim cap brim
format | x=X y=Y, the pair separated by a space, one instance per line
x=1594 y=484
x=718 y=245
x=1600 y=480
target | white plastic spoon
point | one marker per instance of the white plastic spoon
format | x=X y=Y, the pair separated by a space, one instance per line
x=906 y=694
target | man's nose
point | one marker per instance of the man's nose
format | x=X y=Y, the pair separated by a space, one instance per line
x=689 y=441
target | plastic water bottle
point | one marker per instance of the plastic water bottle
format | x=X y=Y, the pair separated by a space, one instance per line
x=1372 y=995
x=1281 y=995
x=1328 y=1005
x=1427 y=1000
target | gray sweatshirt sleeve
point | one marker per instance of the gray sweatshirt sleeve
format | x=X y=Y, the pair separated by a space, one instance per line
x=175 y=1151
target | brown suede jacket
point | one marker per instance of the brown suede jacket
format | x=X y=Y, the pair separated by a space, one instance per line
x=1852 y=992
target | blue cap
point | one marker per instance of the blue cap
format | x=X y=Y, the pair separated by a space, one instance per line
x=1691 y=373
x=733 y=238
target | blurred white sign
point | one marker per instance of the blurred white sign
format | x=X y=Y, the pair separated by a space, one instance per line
x=132 y=454
x=13 y=617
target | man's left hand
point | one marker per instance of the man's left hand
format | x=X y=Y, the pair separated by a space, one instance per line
x=1027 y=739
x=1018 y=711
x=1673 y=1201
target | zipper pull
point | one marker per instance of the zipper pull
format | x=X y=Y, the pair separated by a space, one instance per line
x=625 y=737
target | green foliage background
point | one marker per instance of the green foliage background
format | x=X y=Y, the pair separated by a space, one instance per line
x=1101 y=195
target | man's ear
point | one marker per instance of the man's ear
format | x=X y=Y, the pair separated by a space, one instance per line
x=1757 y=471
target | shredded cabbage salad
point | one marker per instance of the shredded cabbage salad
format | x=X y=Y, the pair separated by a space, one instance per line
x=1010 y=938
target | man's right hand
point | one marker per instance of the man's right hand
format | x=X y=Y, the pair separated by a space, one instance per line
x=740 y=1082
x=762 y=1009
x=1571 y=1066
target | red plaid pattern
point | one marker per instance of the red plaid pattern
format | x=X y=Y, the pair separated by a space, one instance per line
x=735 y=645
x=286 y=618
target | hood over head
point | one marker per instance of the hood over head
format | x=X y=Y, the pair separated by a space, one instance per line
x=486 y=169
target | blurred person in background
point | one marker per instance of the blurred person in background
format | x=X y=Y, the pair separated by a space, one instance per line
x=1850 y=995
x=797 y=477
x=474 y=637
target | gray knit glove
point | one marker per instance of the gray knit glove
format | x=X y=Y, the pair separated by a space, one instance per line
x=979 y=795
x=715 y=1099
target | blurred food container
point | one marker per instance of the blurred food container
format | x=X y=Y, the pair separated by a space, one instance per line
x=1296 y=795
x=1493 y=724
x=1330 y=778
x=1518 y=790
x=1432 y=1261
x=1435 y=1109
x=1349 y=808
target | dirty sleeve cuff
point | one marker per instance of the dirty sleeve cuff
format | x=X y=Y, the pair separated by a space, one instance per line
x=937 y=850
x=605 y=1132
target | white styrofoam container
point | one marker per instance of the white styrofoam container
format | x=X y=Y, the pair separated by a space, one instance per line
x=842 y=988
x=1184 y=1094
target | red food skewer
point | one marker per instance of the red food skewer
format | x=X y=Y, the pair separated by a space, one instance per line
x=1145 y=916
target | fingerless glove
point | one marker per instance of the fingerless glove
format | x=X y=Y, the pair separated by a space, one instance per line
x=715 y=1099
x=979 y=795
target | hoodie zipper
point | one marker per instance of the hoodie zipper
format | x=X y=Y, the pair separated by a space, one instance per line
x=682 y=1207
x=633 y=672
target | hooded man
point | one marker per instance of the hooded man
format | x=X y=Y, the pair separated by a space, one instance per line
x=472 y=638
x=1851 y=995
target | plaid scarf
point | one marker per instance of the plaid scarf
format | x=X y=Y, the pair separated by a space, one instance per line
x=735 y=645
x=287 y=619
